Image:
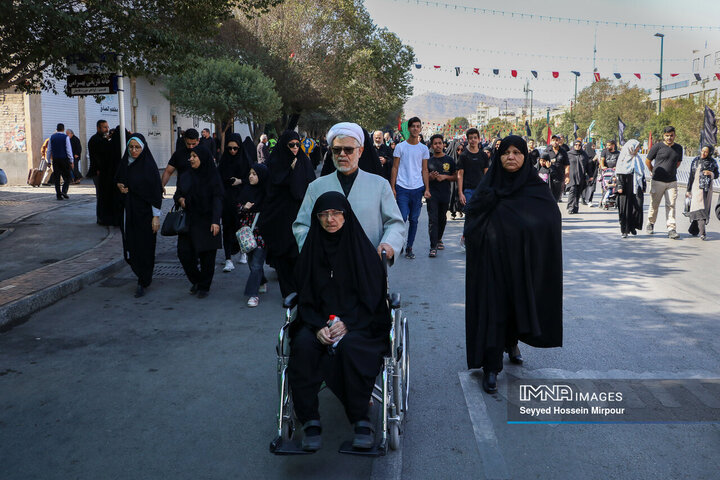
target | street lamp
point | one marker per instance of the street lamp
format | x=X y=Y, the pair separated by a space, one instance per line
x=662 y=40
x=506 y=108
x=529 y=90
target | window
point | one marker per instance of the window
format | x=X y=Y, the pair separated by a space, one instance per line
x=696 y=65
x=706 y=61
x=717 y=58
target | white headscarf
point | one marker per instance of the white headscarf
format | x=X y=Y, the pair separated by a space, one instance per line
x=629 y=163
x=348 y=129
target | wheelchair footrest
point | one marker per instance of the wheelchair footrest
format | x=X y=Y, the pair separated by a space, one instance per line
x=281 y=446
x=376 y=451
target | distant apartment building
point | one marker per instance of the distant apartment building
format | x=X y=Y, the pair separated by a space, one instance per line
x=483 y=114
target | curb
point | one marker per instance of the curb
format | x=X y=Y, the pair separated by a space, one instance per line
x=19 y=311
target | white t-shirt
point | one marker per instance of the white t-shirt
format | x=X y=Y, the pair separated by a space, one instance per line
x=410 y=170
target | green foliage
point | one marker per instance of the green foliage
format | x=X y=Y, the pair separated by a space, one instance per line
x=152 y=36
x=222 y=91
x=459 y=122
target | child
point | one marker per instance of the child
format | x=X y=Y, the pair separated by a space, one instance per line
x=544 y=170
x=249 y=204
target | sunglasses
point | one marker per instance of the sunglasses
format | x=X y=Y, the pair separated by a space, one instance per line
x=346 y=150
x=233 y=148
x=294 y=145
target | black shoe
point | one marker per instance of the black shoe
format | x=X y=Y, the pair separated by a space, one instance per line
x=364 y=438
x=312 y=441
x=193 y=289
x=515 y=355
x=489 y=381
x=139 y=291
x=59 y=197
x=65 y=195
x=202 y=293
x=409 y=253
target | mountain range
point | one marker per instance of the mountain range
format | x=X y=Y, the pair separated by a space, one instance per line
x=438 y=108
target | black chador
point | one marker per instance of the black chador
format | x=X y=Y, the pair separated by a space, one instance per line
x=142 y=179
x=286 y=190
x=234 y=164
x=338 y=274
x=514 y=273
x=103 y=167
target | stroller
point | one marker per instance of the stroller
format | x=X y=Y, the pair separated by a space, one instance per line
x=608 y=180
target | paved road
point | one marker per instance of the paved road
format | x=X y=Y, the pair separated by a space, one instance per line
x=101 y=385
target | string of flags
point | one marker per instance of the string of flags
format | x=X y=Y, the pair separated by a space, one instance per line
x=556 y=73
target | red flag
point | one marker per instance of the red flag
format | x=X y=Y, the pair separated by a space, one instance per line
x=476 y=70
x=674 y=74
x=555 y=74
x=292 y=54
x=718 y=76
x=597 y=76
x=549 y=135
x=637 y=75
x=650 y=140
x=436 y=66
x=513 y=73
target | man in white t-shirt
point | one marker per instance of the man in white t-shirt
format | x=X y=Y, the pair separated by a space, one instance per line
x=409 y=179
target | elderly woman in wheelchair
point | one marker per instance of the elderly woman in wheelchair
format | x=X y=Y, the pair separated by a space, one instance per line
x=343 y=320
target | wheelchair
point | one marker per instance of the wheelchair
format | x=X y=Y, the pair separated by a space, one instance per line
x=391 y=390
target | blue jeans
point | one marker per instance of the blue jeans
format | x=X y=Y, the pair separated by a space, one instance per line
x=256 y=260
x=410 y=204
x=468 y=195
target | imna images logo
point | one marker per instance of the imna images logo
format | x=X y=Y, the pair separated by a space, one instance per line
x=554 y=393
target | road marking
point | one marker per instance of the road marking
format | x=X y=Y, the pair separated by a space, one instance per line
x=492 y=458
x=7 y=287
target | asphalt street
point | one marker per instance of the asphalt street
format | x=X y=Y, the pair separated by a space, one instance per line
x=103 y=385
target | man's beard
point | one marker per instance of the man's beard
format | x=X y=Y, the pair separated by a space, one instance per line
x=342 y=168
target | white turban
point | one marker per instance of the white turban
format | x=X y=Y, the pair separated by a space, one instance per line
x=349 y=130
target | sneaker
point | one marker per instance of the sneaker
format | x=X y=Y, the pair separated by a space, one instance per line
x=409 y=253
x=624 y=235
x=263 y=288
x=673 y=235
x=703 y=237
x=243 y=258
x=253 y=302
x=229 y=267
x=593 y=205
x=650 y=229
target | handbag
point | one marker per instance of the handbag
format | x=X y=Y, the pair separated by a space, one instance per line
x=245 y=237
x=175 y=223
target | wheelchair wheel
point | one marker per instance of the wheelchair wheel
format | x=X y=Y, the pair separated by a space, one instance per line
x=405 y=366
x=394 y=431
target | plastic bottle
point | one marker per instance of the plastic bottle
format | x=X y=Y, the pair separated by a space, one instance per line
x=331 y=321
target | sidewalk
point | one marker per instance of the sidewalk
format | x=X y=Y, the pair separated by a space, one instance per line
x=50 y=248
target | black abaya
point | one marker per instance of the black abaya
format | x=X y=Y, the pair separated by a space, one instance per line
x=104 y=166
x=338 y=274
x=142 y=179
x=235 y=164
x=514 y=271
x=630 y=205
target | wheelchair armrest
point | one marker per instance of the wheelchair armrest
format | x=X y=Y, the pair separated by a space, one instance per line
x=394 y=300
x=291 y=300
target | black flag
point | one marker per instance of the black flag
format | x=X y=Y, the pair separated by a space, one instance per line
x=527 y=129
x=621 y=131
x=709 y=131
x=457 y=71
x=575 y=129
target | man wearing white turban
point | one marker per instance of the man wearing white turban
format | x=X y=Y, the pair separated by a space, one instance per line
x=369 y=195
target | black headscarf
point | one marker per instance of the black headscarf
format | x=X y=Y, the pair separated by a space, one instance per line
x=369 y=160
x=255 y=194
x=234 y=165
x=142 y=176
x=514 y=275
x=281 y=158
x=348 y=254
x=250 y=150
x=200 y=185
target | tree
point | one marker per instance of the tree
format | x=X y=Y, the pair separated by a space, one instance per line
x=41 y=38
x=459 y=122
x=222 y=91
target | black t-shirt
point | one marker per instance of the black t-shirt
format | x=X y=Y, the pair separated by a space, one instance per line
x=440 y=190
x=610 y=157
x=180 y=160
x=666 y=161
x=473 y=166
x=558 y=162
x=533 y=156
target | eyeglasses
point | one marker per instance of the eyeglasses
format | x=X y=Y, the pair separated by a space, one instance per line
x=327 y=214
x=134 y=147
x=294 y=145
x=346 y=150
x=233 y=148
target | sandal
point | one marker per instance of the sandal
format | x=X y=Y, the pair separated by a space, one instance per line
x=433 y=253
x=364 y=440
x=312 y=443
x=441 y=246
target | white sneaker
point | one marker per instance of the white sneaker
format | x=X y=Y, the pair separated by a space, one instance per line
x=229 y=267
x=253 y=302
x=263 y=288
x=243 y=258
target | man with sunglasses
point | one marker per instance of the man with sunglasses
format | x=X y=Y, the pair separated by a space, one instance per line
x=369 y=195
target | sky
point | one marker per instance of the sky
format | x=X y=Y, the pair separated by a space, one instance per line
x=445 y=34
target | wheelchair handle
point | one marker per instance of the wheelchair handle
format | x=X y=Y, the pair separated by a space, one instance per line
x=383 y=257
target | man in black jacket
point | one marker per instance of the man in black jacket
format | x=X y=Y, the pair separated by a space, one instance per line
x=385 y=154
x=77 y=151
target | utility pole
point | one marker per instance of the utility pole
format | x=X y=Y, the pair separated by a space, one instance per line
x=662 y=39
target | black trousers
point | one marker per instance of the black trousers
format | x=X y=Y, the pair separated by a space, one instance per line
x=61 y=168
x=556 y=186
x=437 y=219
x=311 y=364
x=589 y=191
x=230 y=242
x=189 y=258
x=285 y=268
x=573 y=192
x=493 y=356
x=630 y=205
